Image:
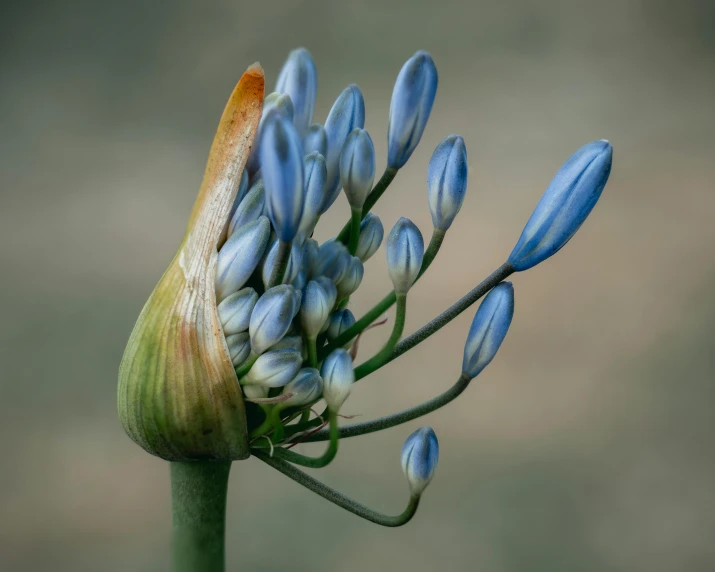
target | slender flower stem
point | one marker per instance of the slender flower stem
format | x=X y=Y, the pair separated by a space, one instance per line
x=246 y=366
x=338 y=498
x=198 y=499
x=372 y=198
x=355 y=219
x=385 y=354
x=312 y=352
x=314 y=462
x=282 y=259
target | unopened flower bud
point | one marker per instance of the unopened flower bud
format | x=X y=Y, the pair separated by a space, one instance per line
x=255 y=391
x=371 y=234
x=315 y=308
x=274 y=368
x=271 y=317
x=334 y=260
x=412 y=99
x=235 y=311
x=352 y=279
x=405 y=250
x=280 y=103
x=564 y=206
x=240 y=255
x=338 y=377
x=420 y=455
x=340 y=320
x=250 y=208
x=290 y=343
x=316 y=175
x=291 y=271
x=310 y=257
x=315 y=140
x=239 y=347
x=299 y=79
x=330 y=289
x=240 y=194
x=305 y=387
x=447 y=181
x=488 y=329
x=357 y=167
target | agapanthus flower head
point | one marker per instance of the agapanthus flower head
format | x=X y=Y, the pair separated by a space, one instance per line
x=299 y=80
x=405 y=250
x=447 y=181
x=420 y=455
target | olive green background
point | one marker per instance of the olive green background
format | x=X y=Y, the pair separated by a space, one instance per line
x=586 y=445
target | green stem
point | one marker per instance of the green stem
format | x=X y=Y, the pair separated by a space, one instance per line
x=338 y=498
x=267 y=424
x=314 y=462
x=312 y=352
x=372 y=198
x=198 y=499
x=355 y=219
x=246 y=366
x=279 y=269
x=384 y=355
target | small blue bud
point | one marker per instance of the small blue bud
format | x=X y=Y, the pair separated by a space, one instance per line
x=250 y=208
x=334 y=260
x=357 y=167
x=488 y=329
x=420 y=455
x=306 y=388
x=352 y=279
x=234 y=311
x=316 y=176
x=274 y=368
x=564 y=205
x=240 y=255
x=310 y=256
x=300 y=280
x=447 y=181
x=340 y=320
x=405 y=250
x=239 y=347
x=338 y=377
x=371 y=234
x=242 y=190
x=412 y=99
x=316 y=140
x=348 y=113
x=290 y=343
x=330 y=289
x=283 y=105
x=271 y=317
x=315 y=308
x=299 y=79
x=294 y=263
x=281 y=155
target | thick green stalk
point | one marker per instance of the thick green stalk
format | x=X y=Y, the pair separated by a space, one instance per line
x=355 y=219
x=384 y=355
x=312 y=351
x=198 y=500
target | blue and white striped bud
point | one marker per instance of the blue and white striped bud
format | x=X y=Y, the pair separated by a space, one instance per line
x=338 y=377
x=250 y=208
x=405 y=250
x=290 y=343
x=330 y=289
x=239 y=347
x=371 y=234
x=340 y=320
x=240 y=255
x=294 y=263
x=347 y=113
x=564 y=205
x=488 y=329
x=419 y=458
x=352 y=279
x=301 y=279
x=274 y=368
x=412 y=99
x=447 y=181
x=315 y=140
x=316 y=176
x=315 y=309
x=357 y=167
x=235 y=310
x=306 y=388
x=271 y=317
x=334 y=259
x=310 y=257
x=242 y=190
x=299 y=79
x=283 y=105
x=281 y=156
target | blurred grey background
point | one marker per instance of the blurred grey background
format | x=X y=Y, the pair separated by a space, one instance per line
x=586 y=445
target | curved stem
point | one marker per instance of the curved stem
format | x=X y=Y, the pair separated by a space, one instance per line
x=355 y=219
x=267 y=424
x=198 y=501
x=372 y=198
x=384 y=355
x=314 y=462
x=246 y=366
x=282 y=260
x=312 y=352
x=338 y=498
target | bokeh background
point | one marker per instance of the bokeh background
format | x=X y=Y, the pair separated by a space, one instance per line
x=586 y=445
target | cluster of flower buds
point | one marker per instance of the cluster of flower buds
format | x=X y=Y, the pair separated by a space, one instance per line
x=281 y=298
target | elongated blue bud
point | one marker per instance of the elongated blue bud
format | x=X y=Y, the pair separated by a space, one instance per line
x=316 y=176
x=280 y=103
x=357 y=167
x=242 y=190
x=564 y=205
x=412 y=99
x=334 y=260
x=371 y=234
x=290 y=343
x=330 y=289
x=488 y=329
x=274 y=368
x=340 y=320
x=250 y=208
x=447 y=181
x=239 y=347
x=299 y=79
x=234 y=311
x=306 y=388
x=352 y=279
x=405 y=250
x=315 y=309
x=240 y=255
x=348 y=113
x=338 y=378
x=420 y=455
x=316 y=140
x=271 y=317
x=281 y=155
x=294 y=263
x=310 y=257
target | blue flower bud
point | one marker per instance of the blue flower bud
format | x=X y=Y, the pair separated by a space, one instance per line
x=338 y=377
x=315 y=309
x=420 y=454
x=299 y=79
x=281 y=155
x=283 y=105
x=301 y=279
x=352 y=279
x=357 y=167
x=316 y=140
x=271 y=317
x=334 y=260
x=235 y=310
x=412 y=99
x=405 y=250
x=306 y=388
x=564 y=206
x=239 y=347
x=330 y=289
x=310 y=256
x=348 y=113
x=316 y=175
x=340 y=320
x=242 y=190
x=290 y=343
x=371 y=234
x=294 y=263
x=240 y=255
x=274 y=368
x=250 y=208
x=488 y=329
x=447 y=181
